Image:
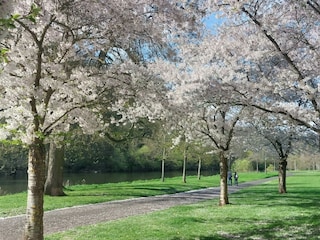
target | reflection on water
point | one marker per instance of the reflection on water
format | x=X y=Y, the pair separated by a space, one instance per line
x=13 y=183
x=18 y=182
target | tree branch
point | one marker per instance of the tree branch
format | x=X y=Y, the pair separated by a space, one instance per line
x=314 y=5
x=275 y=43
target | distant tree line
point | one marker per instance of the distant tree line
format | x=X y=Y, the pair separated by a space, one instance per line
x=139 y=149
x=93 y=153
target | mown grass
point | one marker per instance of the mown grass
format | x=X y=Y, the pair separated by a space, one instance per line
x=15 y=204
x=255 y=213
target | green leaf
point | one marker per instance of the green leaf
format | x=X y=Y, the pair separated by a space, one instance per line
x=15 y=16
x=7 y=23
x=3 y=54
x=31 y=18
x=34 y=12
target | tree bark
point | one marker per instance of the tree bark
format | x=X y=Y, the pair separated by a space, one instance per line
x=164 y=157
x=163 y=164
x=199 y=168
x=223 y=200
x=184 y=168
x=36 y=178
x=282 y=175
x=54 y=182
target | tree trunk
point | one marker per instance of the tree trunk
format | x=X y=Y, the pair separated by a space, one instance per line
x=199 y=168
x=36 y=178
x=164 y=157
x=282 y=175
x=162 y=168
x=184 y=175
x=223 y=180
x=54 y=181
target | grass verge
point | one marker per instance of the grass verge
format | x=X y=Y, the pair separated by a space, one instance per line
x=15 y=204
x=255 y=213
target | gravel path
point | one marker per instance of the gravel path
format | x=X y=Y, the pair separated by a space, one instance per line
x=11 y=228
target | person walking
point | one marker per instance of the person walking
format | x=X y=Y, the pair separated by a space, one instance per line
x=236 y=178
x=230 y=178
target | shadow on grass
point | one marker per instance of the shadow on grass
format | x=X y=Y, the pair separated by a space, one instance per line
x=303 y=197
x=304 y=227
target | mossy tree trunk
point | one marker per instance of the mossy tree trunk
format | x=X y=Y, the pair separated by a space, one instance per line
x=36 y=178
x=282 y=175
x=223 y=199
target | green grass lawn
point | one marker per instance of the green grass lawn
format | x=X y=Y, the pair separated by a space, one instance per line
x=254 y=213
x=15 y=204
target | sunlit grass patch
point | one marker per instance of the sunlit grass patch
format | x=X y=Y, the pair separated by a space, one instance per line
x=258 y=212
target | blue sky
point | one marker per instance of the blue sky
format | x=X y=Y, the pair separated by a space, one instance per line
x=212 y=22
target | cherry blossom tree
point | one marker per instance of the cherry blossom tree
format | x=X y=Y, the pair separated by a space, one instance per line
x=6 y=22
x=280 y=133
x=200 y=106
x=270 y=50
x=47 y=83
x=218 y=125
x=267 y=52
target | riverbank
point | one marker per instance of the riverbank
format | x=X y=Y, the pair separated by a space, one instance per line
x=15 y=204
x=17 y=183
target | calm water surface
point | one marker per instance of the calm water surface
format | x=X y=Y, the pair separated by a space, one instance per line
x=18 y=183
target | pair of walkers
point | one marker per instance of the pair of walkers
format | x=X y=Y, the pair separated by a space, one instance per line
x=235 y=176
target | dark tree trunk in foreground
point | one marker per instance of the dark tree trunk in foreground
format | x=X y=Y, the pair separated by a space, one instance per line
x=282 y=175
x=54 y=181
x=223 y=200
x=36 y=178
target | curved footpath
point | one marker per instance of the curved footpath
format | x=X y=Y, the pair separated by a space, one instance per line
x=11 y=228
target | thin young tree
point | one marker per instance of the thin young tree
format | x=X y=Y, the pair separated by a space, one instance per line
x=202 y=103
x=217 y=125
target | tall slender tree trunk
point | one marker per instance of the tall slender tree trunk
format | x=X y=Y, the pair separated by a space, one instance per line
x=282 y=175
x=162 y=169
x=199 y=168
x=54 y=181
x=184 y=168
x=223 y=199
x=36 y=178
x=164 y=157
x=163 y=164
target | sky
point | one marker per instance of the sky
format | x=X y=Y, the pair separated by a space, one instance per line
x=212 y=22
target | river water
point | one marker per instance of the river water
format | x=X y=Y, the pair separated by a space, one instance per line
x=18 y=183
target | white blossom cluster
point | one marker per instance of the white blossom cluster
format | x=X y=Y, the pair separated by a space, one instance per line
x=265 y=54
x=57 y=75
